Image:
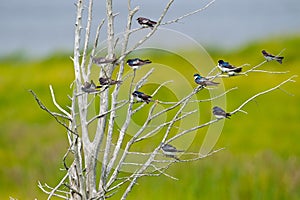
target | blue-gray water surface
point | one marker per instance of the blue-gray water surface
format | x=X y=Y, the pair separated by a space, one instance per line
x=40 y=27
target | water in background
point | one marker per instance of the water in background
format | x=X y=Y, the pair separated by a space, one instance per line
x=41 y=27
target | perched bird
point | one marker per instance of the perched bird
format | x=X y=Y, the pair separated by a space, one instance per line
x=203 y=81
x=146 y=22
x=270 y=57
x=103 y=60
x=220 y=113
x=136 y=62
x=170 y=151
x=225 y=67
x=108 y=81
x=90 y=87
x=141 y=97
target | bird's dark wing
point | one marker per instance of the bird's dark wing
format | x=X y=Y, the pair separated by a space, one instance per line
x=104 y=81
x=228 y=66
x=135 y=61
x=152 y=23
x=218 y=111
x=144 y=96
x=113 y=82
x=170 y=148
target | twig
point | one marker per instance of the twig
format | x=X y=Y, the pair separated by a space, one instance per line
x=264 y=92
x=270 y=72
x=174 y=119
x=215 y=97
x=87 y=39
x=47 y=192
x=43 y=107
x=158 y=127
x=212 y=70
x=107 y=112
x=191 y=129
x=189 y=14
x=57 y=105
x=57 y=186
x=120 y=140
x=94 y=49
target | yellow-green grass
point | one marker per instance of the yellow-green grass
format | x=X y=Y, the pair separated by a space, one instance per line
x=261 y=159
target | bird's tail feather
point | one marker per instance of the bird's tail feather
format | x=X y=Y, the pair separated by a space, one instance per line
x=228 y=115
x=211 y=83
x=173 y=156
x=238 y=69
x=279 y=59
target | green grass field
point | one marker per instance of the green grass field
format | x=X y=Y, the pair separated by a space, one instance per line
x=261 y=159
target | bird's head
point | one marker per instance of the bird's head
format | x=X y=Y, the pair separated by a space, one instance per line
x=221 y=62
x=136 y=93
x=263 y=51
x=215 y=108
x=197 y=76
x=129 y=61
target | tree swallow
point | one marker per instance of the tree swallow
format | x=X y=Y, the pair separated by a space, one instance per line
x=141 y=97
x=90 y=87
x=270 y=57
x=108 y=81
x=170 y=151
x=220 y=113
x=203 y=81
x=225 y=67
x=145 y=22
x=136 y=62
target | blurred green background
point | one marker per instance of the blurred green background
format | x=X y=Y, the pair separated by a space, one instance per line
x=261 y=159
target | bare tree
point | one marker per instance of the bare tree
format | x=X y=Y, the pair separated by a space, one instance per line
x=106 y=147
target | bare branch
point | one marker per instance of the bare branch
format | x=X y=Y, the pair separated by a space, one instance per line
x=43 y=107
x=107 y=112
x=173 y=120
x=158 y=127
x=77 y=37
x=189 y=14
x=199 y=156
x=57 y=105
x=270 y=72
x=191 y=129
x=215 y=97
x=87 y=40
x=141 y=170
x=57 y=186
x=264 y=92
x=47 y=192
x=119 y=184
x=88 y=73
